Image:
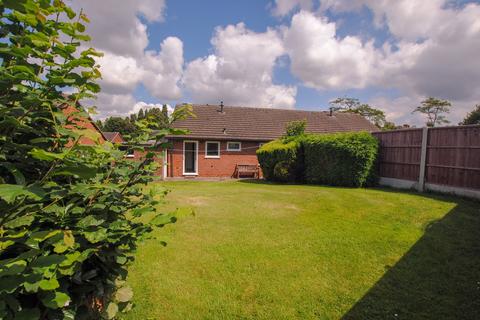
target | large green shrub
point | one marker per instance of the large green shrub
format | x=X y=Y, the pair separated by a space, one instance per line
x=282 y=160
x=70 y=214
x=342 y=159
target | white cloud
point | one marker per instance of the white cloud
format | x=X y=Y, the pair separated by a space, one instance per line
x=284 y=7
x=118 y=104
x=163 y=69
x=120 y=34
x=323 y=61
x=434 y=52
x=240 y=71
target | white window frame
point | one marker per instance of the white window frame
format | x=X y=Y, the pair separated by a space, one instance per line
x=212 y=157
x=196 y=159
x=234 y=150
x=130 y=155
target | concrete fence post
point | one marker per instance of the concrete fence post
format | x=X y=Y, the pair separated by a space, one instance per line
x=423 y=160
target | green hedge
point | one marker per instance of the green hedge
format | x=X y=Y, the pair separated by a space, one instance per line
x=282 y=160
x=342 y=159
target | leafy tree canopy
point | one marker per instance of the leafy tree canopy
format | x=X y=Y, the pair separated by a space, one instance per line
x=295 y=128
x=434 y=109
x=353 y=105
x=473 y=117
x=70 y=214
x=158 y=119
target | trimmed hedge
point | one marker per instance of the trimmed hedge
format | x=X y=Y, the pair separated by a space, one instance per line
x=282 y=160
x=342 y=159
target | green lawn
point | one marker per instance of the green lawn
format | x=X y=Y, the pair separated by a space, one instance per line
x=263 y=251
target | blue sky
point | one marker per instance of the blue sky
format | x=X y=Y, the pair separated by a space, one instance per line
x=287 y=53
x=195 y=21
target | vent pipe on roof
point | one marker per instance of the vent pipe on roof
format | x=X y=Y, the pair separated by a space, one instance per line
x=221 y=106
x=331 y=112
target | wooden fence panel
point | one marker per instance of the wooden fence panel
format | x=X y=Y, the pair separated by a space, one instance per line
x=399 y=155
x=452 y=155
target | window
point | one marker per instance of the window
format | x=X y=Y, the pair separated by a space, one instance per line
x=130 y=153
x=261 y=144
x=234 y=146
x=212 y=149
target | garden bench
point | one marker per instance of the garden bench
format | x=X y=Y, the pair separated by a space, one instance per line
x=250 y=169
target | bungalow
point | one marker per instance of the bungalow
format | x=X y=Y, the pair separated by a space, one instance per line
x=221 y=139
x=114 y=137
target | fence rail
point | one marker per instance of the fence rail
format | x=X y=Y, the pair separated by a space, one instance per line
x=444 y=156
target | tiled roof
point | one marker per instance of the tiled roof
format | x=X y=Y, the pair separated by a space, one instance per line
x=244 y=123
x=110 y=135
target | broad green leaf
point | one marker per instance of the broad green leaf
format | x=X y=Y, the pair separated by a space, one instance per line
x=41 y=154
x=40 y=236
x=88 y=133
x=121 y=259
x=55 y=299
x=49 y=284
x=161 y=220
x=90 y=221
x=96 y=236
x=67 y=242
x=32 y=282
x=79 y=170
x=10 y=192
x=124 y=294
x=13 y=268
x=5 y=244
x=71 y=258
x=20 y=221
x=47 y=261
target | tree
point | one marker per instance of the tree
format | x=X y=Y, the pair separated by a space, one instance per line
x=119 y=124
x=344 y=104
x=473 y=117
x=71 y=215
x=435 y=110
x=295 y=128
x=389 y=126
x=157 y=118
x=353 y=105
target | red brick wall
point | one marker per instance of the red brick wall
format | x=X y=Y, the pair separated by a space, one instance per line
x=212 y=167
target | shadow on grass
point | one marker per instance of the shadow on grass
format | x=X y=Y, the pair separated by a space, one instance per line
x=438 y=278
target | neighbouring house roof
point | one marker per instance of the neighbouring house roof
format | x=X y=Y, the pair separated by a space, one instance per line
x=110 y=136
x=86 y=123
x=263 y=124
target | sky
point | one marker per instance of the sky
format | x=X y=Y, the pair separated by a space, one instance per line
x=288 y=54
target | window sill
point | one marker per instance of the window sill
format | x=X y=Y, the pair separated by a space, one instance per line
x=212 y=157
